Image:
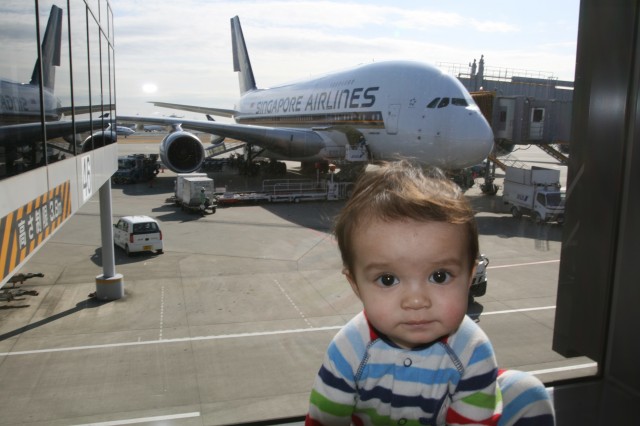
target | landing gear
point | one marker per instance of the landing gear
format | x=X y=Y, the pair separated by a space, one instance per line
x=488 y=187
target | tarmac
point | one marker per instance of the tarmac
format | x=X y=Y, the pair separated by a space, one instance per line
x=231 y=323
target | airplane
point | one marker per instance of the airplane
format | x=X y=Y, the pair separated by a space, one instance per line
x=20 y=110
x=123 y=130
x=376 y=111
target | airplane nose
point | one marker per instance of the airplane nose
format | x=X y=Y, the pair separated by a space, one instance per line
x=484 y=135
x=475 y=138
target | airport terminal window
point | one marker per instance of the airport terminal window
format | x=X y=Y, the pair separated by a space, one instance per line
x=21 y=149
x=59 y=143
x=94 y=79
x=68 y=98
x=107 y=110
x=80 y=56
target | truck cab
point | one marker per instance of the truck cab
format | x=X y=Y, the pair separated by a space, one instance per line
x=535 y=192
x=549 y=205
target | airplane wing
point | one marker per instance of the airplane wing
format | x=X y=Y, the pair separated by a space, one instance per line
x=84 y=109
x=204 y=110
x=289 y=142
x=30 y=132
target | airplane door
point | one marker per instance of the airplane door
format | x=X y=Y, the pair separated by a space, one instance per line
x=536 y=124
x=506 y=108
x=391 y=123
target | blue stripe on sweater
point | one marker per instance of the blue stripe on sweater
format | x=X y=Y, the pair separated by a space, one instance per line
x=335 y=382
x=411 y=374
x=481 y=353
x=479 y=381
x=338 y=359
x=384 y=395
x=528 y=397
x=355 y=340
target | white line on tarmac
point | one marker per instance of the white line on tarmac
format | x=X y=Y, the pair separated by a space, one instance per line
x=177 y=340
x=542 y=262
x=511 y=311
x=567 y=368
x=219 y=337
x=302 y=315
x=145 y=419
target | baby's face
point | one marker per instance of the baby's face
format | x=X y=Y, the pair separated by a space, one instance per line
x=413 y=278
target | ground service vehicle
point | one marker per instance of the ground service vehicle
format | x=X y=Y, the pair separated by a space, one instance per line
x=479 y=284
x=138 y=233
x=136 y=168
x=192 y=198
x=178 y=185
x=535 y=192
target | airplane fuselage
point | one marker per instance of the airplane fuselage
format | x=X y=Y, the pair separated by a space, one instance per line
x=390 y=104
x=20 y=103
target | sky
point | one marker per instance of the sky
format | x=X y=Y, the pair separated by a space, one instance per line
x=180 y=51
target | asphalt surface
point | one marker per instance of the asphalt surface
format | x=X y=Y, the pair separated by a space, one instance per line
x=230 y=324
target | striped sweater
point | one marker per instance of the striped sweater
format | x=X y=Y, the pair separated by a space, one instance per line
x=367 y=380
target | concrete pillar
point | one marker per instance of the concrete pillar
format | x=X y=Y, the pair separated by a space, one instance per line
x=109 y=285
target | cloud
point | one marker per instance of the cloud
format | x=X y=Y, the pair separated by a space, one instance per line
x=185 y=47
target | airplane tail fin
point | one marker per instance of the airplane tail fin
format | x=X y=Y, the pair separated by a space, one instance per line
x=50 y=53
x=241 y=62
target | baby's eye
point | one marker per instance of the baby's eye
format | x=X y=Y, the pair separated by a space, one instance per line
x=440 y=277
x=387 y=280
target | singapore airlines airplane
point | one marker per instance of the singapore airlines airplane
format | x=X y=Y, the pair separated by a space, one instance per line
x=378 y=111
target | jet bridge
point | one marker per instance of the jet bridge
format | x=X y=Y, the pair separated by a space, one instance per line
x=522 y=120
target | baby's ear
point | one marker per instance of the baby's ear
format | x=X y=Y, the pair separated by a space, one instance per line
x=352 y=281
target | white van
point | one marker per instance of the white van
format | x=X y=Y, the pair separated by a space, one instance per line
x=138 y=233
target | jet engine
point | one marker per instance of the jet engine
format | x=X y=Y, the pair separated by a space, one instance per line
x=182 y=152
x=98 y=140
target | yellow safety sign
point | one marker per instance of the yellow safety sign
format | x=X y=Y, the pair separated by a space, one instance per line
x=24 y=229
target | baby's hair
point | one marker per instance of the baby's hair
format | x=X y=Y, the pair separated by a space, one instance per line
x=400 y=190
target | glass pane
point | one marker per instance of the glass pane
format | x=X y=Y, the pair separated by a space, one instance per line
x=57 y=95
x=21 y=141
x=81 y=98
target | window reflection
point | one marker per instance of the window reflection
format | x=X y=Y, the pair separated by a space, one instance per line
x=80 y=55
x=37 y=85
x=21 y=145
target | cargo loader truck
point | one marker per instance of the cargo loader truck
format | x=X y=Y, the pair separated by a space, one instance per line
x=534 y=192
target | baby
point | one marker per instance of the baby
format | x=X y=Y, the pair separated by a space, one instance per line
x=409 y=244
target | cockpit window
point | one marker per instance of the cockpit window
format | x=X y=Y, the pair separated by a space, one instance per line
x=459 y=102
x=443 y=103
x=433 y=103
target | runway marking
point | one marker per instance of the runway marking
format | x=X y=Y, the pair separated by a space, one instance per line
x=176 y=340
x=542 y=262
x=567 y=368
x=511 y=311
x=161 y=312
x=145 y=419
x=293 y=303
x=219 y=336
